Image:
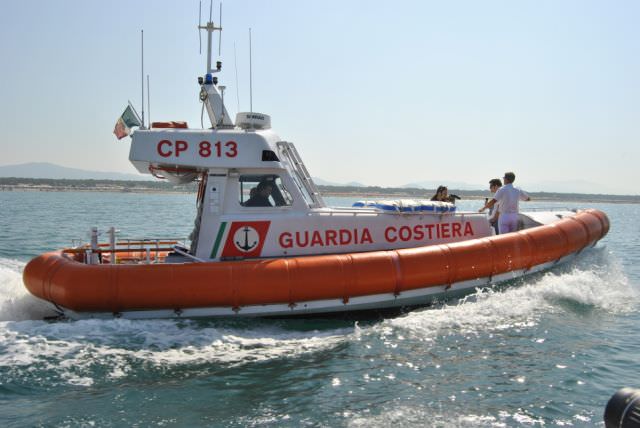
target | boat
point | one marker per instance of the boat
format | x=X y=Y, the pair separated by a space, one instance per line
x=265 y=243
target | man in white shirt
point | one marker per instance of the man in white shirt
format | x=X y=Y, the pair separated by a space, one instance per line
x=508 y=198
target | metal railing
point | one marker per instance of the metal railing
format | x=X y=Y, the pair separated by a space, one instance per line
x=126 y=250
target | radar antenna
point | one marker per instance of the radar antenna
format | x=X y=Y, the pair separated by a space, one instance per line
x=210 y=28
x=212 y=95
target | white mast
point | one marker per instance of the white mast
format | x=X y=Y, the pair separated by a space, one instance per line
x=148 y=103
x=210 y=28
x=209 y=91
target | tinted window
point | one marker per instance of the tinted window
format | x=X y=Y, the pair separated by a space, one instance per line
x=263 y=191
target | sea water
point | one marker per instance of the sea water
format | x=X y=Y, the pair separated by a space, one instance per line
x=548 y=350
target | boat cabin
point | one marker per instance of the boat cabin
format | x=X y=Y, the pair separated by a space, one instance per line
x=257 y=199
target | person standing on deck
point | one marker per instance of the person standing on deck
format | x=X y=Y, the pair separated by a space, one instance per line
x=494 y=211
x=508 y=198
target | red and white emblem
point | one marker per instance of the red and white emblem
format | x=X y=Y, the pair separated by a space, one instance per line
x=246 y=239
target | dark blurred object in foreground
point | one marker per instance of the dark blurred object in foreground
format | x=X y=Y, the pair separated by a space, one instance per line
x=623 y=409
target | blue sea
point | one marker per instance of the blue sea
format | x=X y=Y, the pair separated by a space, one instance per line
x=548 y=350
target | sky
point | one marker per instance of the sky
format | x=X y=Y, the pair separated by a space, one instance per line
x=378 y=92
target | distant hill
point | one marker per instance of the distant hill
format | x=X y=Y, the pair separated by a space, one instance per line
x=570 y=186
x=53 y=171
x=321 y=182
x=457 y=185
x=45 y=170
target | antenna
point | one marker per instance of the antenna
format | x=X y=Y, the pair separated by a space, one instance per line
x=220 y=33
x=210 y=28
x=235 y=64
x=142 y=73
x=148 y=103
x=200 y=25
x=250 y=76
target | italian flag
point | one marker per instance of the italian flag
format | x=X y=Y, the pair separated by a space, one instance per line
x=128 y=120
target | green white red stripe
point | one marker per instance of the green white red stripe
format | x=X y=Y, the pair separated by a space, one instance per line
x=128 y=120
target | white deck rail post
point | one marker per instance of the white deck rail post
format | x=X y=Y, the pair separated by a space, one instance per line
x=94 y=259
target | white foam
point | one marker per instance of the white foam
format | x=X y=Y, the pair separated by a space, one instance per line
x=15 y=301
x=74 y=349
x=420 y=416
x=603 y=288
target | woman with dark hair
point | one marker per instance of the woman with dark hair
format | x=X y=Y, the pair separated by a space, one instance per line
x=442 y=194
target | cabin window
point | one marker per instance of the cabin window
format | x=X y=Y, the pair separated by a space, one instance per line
x=263 y=190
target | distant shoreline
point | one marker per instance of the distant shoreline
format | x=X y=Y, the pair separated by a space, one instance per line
x=97 y=186
x=611 y=199
x=4 y=188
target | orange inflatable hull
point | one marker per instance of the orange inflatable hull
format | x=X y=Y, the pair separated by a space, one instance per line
x=117 y=288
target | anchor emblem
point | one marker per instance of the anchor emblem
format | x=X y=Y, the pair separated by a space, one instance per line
x=245 y=239
x=244 y=236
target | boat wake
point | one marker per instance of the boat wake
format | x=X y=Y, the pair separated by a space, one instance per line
x=80 y=352
x=414 y=416
x=16 y=304
x=595 y=281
